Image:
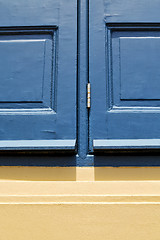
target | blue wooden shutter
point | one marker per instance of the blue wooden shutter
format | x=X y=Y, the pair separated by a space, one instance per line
x=38 y=74
x=124 y=74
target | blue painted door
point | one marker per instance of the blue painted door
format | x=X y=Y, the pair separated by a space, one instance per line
x=38 y=74
x=125 y=74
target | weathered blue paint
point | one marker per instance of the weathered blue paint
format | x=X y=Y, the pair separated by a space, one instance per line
x=124 y=73
x=38 y=52
x=83 y=78
x=26 y=78
x=126 y=11
x=49 y=51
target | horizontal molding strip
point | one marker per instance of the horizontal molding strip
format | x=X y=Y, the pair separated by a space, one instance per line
x=126 y=144
x=79 y=189
x=43 y=145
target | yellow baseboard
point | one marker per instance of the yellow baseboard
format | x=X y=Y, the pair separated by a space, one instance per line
x=79 y=203
x=17 y=173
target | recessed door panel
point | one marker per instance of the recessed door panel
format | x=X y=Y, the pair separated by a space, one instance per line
x=38 y=73
x=125 y=76
x=139 y=53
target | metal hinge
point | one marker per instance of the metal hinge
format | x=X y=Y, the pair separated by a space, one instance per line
x=88 y=95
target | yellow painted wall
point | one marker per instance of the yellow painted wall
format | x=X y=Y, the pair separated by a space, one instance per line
x=39 y=203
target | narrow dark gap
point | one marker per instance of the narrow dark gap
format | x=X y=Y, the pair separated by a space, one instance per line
x=77 y=80
x=87 y=12
x=82 y=79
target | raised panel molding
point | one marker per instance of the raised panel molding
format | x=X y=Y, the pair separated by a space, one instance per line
x=27 y=79
x=133 y=67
